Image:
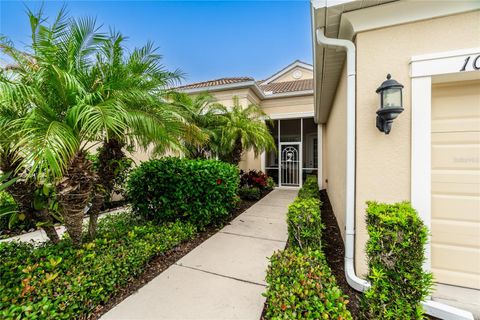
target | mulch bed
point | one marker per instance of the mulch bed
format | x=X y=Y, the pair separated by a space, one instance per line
x=334 y=250
x=162 y=262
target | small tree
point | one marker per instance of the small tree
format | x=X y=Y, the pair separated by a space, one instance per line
x=239 y=129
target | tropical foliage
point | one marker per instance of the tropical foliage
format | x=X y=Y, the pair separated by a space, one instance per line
x=76 y=88
x=200 y=191
x=58 y=281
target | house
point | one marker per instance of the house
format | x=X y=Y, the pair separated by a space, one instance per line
x=431 y=154
x=287 y=98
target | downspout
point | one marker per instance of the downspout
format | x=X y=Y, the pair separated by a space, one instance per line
x=431 y=307
x=353 y=280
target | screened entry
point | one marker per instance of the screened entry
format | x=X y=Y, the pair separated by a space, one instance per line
x=297 y=151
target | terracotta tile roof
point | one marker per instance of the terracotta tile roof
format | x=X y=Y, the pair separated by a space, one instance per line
x=288 y=86
x=213 y=83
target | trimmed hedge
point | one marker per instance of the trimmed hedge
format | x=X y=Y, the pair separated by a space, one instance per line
x=301 y=286
x=202 y=192
x=305 y=223
x=396 y=252
x=309 y=188
x=62 y=282
x=249 y=193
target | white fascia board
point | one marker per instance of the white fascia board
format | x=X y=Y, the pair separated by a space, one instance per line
x=287 y=69
x=288 y=94
x=317 y=4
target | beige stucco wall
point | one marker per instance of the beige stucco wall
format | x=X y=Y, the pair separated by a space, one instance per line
x=276 y=106
x=383 y=161
x=335 y=153
x=306 y=74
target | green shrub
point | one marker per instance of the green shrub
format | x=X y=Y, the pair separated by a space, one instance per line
x=396 y=252
x=300 y=285
x=309 y=188
x=270 y=184
x=199 y=191
x=62 y=282
x=8 y=207
x=248 y=193
x=305 y=223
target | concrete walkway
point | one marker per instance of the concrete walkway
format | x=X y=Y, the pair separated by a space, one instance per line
x=224 y=277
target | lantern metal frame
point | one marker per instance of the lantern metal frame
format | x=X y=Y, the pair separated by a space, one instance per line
x=386 y=115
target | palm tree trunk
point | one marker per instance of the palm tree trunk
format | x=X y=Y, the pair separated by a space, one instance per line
x=237 y=152
x=109 y=156
x=98 y=200
x=73 y=194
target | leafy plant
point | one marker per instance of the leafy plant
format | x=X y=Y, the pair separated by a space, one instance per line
x=202 y=192
x=254 y=179
x=249 y=193
x=310 y=188
x=300 y=285
x=58 y=281
x=396 y=252
x=270 y=183
x=304 y=223
x=239 y=129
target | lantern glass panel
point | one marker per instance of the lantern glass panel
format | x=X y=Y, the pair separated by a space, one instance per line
x=392 y=98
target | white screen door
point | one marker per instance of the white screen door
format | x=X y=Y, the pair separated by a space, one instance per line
x=290 y=160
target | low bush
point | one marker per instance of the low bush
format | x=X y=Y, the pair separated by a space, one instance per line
x=300 y=285
x=202 y=192
x=62 y=282
x=309 y=188
x=7 y=205
x=249 y=193
x=256 y=179
x=396 y=252
x=305 y=223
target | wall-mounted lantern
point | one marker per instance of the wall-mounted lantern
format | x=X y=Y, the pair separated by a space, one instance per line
x=391 y=103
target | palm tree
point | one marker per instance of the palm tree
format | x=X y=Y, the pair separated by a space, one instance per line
x=14 y=107
x=84 y=91
x=138 y=82
x=240 y=129
x=197 y=112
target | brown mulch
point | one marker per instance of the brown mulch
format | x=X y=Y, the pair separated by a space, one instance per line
x=160 y=263
x=333 y=247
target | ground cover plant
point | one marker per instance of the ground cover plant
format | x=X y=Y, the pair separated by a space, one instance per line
x=199 y=191
x=395 y=252
x=249 y=193
x=300 y=284
x=58 y=281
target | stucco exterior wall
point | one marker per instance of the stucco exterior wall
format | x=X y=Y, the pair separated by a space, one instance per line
x=306 y=74
x=288 y=105
x=335 y=154
x=383 y=161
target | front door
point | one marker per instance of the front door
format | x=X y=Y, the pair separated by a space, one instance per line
x=290 y=164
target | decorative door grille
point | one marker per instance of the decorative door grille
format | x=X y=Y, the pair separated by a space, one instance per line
x=290 y=165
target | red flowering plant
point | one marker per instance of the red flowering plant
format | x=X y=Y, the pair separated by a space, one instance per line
x=253 y=179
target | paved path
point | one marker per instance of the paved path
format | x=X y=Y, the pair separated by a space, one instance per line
x=224 y=277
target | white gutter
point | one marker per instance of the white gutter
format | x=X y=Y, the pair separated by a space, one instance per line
x=431 y=307
x=353 y=280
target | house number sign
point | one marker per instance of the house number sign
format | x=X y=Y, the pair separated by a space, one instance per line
x=473 y=60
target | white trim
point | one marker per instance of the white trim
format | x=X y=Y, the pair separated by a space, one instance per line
x=288 y=94
x=424 y=70
x=443 y=63
x=290 y=115
x=300 y=164
x=421 y=153
x=262 y=161
x=288 y=68
x=320 y=155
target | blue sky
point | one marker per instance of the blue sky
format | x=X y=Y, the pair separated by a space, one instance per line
x=206 y=40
